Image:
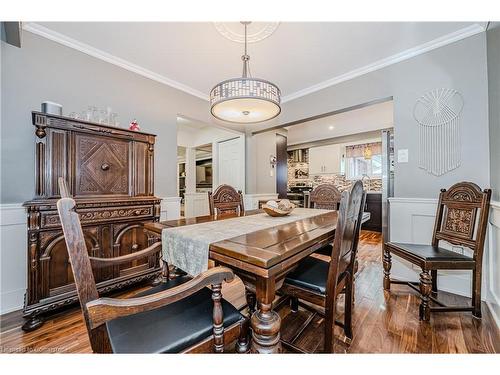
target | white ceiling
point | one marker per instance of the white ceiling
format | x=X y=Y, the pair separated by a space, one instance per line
x=298 y=56
x=373 y=117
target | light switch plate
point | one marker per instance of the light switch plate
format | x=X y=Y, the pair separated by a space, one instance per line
x=403 y=155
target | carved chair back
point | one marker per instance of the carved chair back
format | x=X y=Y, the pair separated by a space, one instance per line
x=325 y=196
x=347 y=233
x=81 y=266
x=343 y=253
x=462 y=217
x=225 y=199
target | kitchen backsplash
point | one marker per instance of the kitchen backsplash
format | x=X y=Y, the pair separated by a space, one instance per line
x=375 y=184
x=299 y=171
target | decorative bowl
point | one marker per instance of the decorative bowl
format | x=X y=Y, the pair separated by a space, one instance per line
x=282 y=207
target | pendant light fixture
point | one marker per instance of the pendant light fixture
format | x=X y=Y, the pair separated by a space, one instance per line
x=245 y=100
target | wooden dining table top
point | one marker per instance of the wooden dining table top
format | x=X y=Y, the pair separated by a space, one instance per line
x=264 y=250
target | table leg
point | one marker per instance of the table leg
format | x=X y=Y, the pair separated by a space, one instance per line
x=265 y=322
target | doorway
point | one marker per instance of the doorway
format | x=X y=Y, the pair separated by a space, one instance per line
x=281 y=166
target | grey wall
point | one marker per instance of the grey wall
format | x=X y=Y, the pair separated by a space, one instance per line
x=493 y=37
x=259 y=148
x=461 y=66
x=44 y=70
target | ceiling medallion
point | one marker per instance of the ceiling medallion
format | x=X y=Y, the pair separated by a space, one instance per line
x=245 y=100
x=256 y=32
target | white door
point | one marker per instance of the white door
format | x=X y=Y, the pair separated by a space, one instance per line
x=231 y=163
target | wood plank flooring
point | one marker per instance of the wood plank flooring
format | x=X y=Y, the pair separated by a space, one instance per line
x=384 y=322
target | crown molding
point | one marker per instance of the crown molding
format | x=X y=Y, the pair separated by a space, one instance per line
x=405 y=55
x=42 y=31
x=394 y=59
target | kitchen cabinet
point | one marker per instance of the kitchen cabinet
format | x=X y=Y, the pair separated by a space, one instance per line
x=325 y=159
x=373 y=205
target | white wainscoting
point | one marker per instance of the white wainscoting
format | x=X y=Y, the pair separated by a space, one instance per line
x=492 y=262
x=170 y=208
x=412 y=221
x=196 y=204
x=13 y=245
x=13 y=253
x=251 y=201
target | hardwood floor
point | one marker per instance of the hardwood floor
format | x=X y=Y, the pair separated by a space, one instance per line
x=384 y=322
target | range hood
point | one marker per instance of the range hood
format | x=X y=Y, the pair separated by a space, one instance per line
x=298 y=156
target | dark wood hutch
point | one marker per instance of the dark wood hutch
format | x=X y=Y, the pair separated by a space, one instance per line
x=109 y=171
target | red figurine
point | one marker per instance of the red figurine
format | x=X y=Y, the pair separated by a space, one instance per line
x=134 y=125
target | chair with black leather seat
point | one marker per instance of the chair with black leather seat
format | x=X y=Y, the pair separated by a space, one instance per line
x=457 y=222
x=180 y=315
x=320 y=282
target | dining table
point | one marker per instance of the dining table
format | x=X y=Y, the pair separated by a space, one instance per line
x=262 y=259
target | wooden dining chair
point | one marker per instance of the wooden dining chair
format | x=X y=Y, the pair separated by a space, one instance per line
x=225 y=199
x=325 y=196
x=461 y=220
x=320 y=282
x=180 y=315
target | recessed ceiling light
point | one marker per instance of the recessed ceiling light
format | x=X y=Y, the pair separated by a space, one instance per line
x=331 y=127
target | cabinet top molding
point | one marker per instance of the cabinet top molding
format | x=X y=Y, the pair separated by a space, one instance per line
x=41 y=119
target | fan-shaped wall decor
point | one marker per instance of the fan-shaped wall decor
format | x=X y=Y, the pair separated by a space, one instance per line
x=438 y=114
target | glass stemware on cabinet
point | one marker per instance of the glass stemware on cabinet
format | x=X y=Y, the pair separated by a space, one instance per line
x=94 y=114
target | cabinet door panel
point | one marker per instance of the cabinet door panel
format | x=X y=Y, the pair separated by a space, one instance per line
x=331 y=155
x=130 y=238
x=143 y=171
x=56 y=274
x=315 y=160
x=102 y=166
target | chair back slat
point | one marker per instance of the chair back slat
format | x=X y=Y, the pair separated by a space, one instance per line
x=80 y=264
x=325 y=196
x=462 y=216
x=225 y=199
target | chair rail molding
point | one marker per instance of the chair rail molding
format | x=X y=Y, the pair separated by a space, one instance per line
x=412 y=221
x=13 y=243
x=170 y=208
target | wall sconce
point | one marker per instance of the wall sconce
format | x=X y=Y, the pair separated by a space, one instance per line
x=272 y=162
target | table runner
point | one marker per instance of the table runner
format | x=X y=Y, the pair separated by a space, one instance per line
x=187 y=247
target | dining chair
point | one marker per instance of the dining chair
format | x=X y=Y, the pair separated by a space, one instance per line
x=325 y=196
x=461 y=220
x=320 y=282
x=225 y=199
x=179 y=315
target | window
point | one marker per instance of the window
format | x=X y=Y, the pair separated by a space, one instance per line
x=364 y=159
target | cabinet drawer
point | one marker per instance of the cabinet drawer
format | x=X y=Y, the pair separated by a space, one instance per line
x=50 y=219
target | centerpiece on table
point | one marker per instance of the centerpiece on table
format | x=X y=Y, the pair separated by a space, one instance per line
x=281 y=207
